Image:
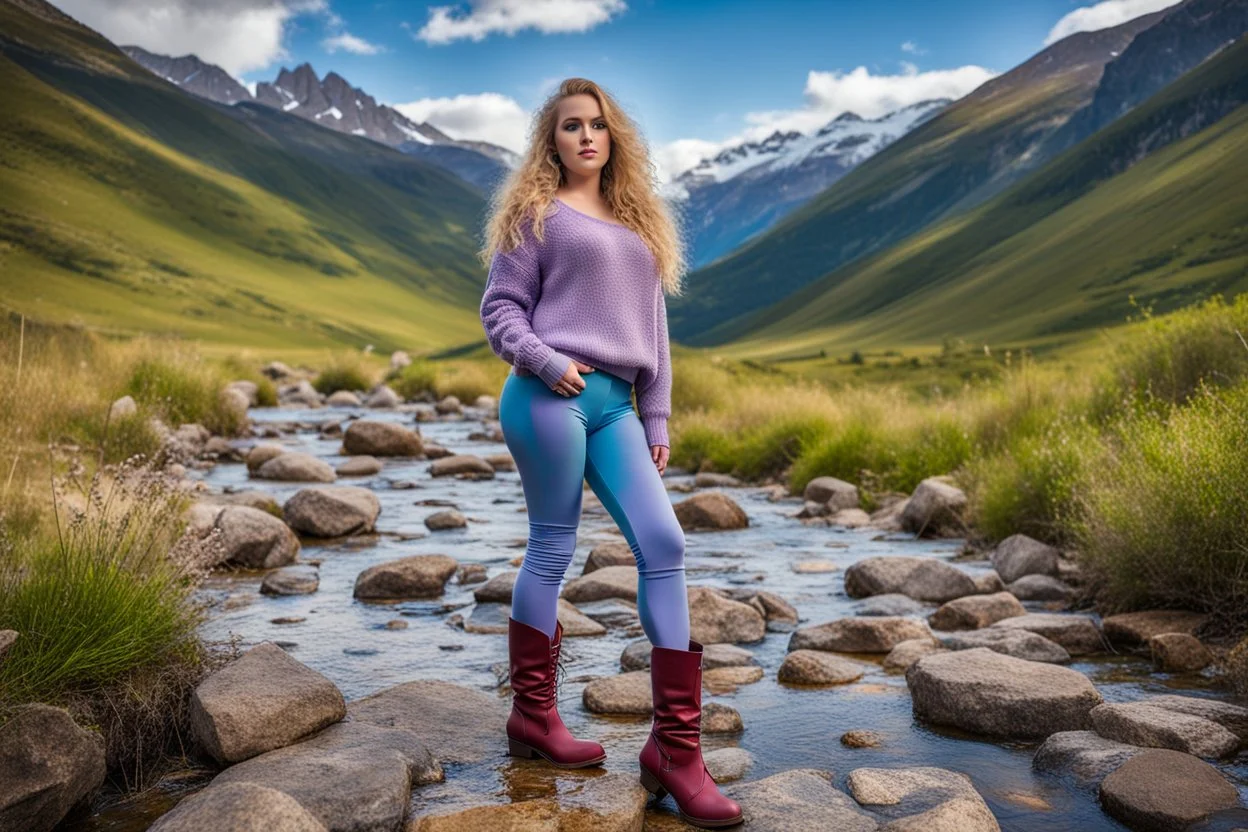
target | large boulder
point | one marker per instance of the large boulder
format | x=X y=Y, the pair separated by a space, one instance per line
x=332 y=511
x=798 y=800
x=1181 y=723
x=48 y=765
x=974 y=612
x=415 y=576
x=878 y=634
x=254 y=538
x=1084 y=755
x=834 y=493
x=1134 y=629
x=372 y=437
x=714 y=618
x=710 y=511
x=989 y=693
x=1020 y=644
x=238 y=807
x=922 y=799
x=1162 y=790
x=263 y=700
x=460 y=725
x=935 y=508
x=1020 y=555
x=920 y=578
x=1077 y=633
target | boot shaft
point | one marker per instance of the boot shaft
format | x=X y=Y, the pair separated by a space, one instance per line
x=676 y=687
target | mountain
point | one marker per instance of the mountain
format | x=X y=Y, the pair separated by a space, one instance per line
x=1151 y=208
x=332 y=102
x=744 y=190
x=130 y=206
x=966 y=153
x=193 y=75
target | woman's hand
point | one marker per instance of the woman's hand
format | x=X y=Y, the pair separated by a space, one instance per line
x=660 y=453
x=572 y=383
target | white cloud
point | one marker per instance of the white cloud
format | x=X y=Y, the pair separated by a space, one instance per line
x=488 y=117
x=913 y=48
x=350 y=43
x=238 y=35
x=1103 y=15
x=487 y=17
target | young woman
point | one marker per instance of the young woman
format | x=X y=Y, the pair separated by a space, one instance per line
x=580 y=250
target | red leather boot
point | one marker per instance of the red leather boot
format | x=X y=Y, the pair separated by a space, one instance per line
x=534 y=727
x=671 y=759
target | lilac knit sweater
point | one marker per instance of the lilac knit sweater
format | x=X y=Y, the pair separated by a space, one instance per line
x=591 y=292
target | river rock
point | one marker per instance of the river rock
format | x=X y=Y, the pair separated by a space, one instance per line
x=300 y=579
x=816 y=667
x=909 y=652
x=860 y=635
x=923 y=799
x=728 y=679
x=728 y=764
x=607 y=582
x=609 y=554
x=624 y=693
x=1020 y=644
x=488 y=619
x=576 y=623
x=1132 y=629
x=636 y=656
x=415 y=576
x=1077 y=633
x=343 y=398
x=296 y=466
x=986 y=692
x=501 y=462
x=835 y=494
x=798 y=800
x=383 y=396
x=1020 y=555
x=714 y=618
x=935 y=508
x=48 y=765
x=255 y=539
x=718 y=718
x=608 y=803
x=467 y=466
x=1179 y=653
x=359 y=466
x=459 y=724
x=497 y=589
x=1161 y=790
x=974 y=612
x=332 y=511
x=710 y=511
x=446 y=519
x=471 y=573
x=260 y=454
x=254 y=498
x=1085 y=755
x=1181 y=723
x=1040 y=588
x=890 y=603
x=920 y=578
x=710 y=479
x=373 y=437
x=611 y=612
x=238 y=807
x=264 y=699
x=779 y=614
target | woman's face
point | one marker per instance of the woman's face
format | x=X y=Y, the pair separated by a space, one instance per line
x=579 y=129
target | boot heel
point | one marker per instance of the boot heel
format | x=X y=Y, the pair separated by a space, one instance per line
x=519 y=749
x=652 y=785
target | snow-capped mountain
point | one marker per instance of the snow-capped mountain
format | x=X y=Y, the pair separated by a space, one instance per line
x=742 y=190
x=332 y=102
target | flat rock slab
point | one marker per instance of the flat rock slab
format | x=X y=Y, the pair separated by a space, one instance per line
x=923 y=579
x=1161 y=789
x=459 y=724
x=1083 y=755
x=1077 y=633
x=300 y=579
x=798 y=800
x=625 y=693
x=264 y=699
x=608 y=803
x=238 y=807
x=1144 y=724
x=1021 y=644
x=922 y=799
x=989 y=693
x=878 y=634
x=816 y=667
x=1133 y=629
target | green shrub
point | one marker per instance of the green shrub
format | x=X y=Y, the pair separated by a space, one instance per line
x=421 y=376
x=346 y=371
x=181 y=392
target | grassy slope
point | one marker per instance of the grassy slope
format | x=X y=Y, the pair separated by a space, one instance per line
x=128 y=205
x=1053 y=257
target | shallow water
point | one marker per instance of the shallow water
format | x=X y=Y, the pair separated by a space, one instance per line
x=785 y=727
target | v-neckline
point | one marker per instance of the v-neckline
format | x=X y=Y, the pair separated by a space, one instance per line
x=590 y=217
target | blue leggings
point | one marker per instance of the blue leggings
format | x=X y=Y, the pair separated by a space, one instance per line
x=558 y=442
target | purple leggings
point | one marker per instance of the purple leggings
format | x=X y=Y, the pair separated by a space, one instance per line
x=560 y=441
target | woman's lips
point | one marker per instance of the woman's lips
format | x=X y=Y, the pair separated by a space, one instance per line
x=588 y=153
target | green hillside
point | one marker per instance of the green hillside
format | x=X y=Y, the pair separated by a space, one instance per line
x=1065 y=250
x=958 y=159
x=129 y=205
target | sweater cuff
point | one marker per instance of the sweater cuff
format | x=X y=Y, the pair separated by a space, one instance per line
x=554 y=368
x=656 y=430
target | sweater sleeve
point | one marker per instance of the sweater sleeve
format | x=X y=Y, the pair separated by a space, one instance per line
x=512 y=289
x=654 y=394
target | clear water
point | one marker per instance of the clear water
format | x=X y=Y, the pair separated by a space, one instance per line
x=786 y=727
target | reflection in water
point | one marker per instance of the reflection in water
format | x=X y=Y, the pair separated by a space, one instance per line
x=786 y=726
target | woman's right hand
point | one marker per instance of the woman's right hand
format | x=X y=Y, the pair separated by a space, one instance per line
x=572 y=384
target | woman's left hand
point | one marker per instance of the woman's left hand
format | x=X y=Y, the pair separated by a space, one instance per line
x=660 y=453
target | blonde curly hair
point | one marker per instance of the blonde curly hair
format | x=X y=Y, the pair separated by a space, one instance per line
x=628 y=181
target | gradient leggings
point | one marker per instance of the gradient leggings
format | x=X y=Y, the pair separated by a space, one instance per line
x=560 y=441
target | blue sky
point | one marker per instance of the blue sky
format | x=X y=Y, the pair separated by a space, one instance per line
x=697 y=76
